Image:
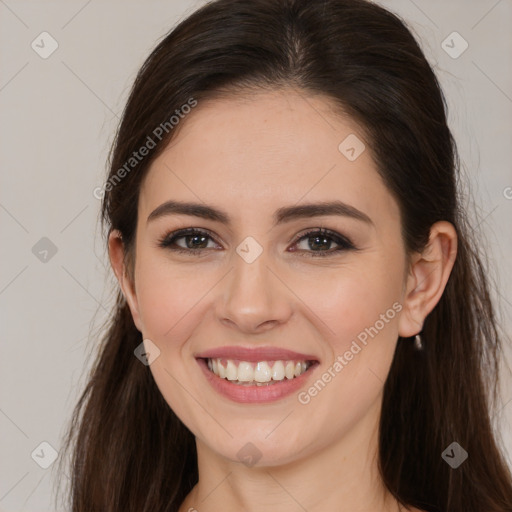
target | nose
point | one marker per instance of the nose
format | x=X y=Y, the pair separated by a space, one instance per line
x=253 y=298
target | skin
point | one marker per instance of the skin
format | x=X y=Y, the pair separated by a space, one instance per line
x=250 y=155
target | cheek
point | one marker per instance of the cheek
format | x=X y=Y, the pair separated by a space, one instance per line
x=353 y=302
x=362 y=314
x=171 y=301
x=169 y=296
x=361 y=307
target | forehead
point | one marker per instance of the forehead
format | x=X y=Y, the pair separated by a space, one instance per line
x=254 y=153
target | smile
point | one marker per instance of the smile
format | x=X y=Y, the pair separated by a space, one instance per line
x=261 y=373
x=256 y=375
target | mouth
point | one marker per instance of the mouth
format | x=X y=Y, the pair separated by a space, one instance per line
x=246 y=376
x=261 y=373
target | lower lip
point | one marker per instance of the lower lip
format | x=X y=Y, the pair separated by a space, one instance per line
x=255 y=394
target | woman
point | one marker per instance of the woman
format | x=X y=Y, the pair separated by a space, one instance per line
x=303 y=320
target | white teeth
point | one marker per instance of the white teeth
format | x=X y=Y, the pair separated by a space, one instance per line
x=278 y=370
x=221 y=371
x=260 y=373
x=290 y=370
x=245 y=372
x=231 y=371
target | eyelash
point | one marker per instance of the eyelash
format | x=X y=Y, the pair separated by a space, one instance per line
x=344 y=243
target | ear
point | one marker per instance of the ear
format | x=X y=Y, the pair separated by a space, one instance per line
x=117 y=260
x=427 y=277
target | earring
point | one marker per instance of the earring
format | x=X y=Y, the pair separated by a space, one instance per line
x=418 y=343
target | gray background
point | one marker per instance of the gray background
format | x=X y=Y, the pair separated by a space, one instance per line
x=58 y=119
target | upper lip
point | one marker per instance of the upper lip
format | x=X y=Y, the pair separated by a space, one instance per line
x=255 y=354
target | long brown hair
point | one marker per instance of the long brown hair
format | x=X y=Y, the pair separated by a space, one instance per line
x=130 y=451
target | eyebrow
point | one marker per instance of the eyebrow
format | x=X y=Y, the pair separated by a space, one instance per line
x=281 y=215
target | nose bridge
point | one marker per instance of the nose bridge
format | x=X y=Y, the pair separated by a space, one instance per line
x=252 y=295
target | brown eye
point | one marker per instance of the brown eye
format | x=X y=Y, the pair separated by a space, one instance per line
x=319 y=242
x=195 y=241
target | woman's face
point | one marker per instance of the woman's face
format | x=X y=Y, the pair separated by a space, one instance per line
x=251 y=279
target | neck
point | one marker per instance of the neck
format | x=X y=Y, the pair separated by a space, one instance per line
x=342 y=476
